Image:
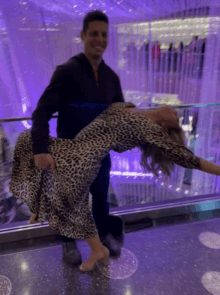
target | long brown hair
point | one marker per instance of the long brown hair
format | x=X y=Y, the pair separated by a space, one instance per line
x=153 y=159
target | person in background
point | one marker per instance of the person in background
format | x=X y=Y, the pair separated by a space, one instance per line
x=156 y=56
x=144 y=55
x=181 y=47
x=79 y=90
x=131 y=55
x=192 y=57
x=193 y=44
x=180 y=56
x=171 y=58
x=147 y=54
x=203 y=45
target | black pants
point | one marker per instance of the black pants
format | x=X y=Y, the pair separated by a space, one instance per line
x=100 y=205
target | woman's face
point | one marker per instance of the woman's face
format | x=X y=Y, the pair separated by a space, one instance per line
x=167 y=118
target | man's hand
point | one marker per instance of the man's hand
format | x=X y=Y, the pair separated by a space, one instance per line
x=44 y=161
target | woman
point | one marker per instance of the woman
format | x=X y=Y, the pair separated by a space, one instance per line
x=61 y=196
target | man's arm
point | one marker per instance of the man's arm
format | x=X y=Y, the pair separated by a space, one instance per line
x=48 y=104
x=119 y=95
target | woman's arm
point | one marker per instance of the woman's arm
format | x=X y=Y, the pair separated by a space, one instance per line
x=209 y=167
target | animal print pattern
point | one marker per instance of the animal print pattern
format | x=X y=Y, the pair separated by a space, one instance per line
x=62 y=197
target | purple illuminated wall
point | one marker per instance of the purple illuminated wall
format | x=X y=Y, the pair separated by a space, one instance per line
x=36 y=36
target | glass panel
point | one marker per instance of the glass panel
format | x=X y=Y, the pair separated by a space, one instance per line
x=12 y=211
x=129 y=185
x=172 y=56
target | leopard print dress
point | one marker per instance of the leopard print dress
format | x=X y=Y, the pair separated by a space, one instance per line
x=62 y=197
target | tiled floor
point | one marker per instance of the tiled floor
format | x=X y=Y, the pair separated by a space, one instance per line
x=174 y=259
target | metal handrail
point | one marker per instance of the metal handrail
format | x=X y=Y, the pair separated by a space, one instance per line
x=182 y=106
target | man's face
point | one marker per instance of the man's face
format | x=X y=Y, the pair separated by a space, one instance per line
x=95 y=39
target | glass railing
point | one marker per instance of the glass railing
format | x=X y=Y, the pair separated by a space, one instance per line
x=129 y=185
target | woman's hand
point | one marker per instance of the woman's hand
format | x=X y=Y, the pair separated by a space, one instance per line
x=209 y=167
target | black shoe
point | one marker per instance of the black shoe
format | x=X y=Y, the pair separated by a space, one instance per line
x=113 y=246
x=120 y=239
x=71 y=253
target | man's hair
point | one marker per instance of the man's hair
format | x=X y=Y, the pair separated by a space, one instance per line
x=92 y=16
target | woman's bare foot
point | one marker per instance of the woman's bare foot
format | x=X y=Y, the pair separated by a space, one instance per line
x=33 y=218
x=90 y=263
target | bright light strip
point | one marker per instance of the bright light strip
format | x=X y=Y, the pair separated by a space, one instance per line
x=26 y=124
x=199 y=23
x=133 y=174
x=42 y=29
x=24 y=109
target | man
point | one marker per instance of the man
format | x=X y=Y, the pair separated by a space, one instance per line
x=79 y=91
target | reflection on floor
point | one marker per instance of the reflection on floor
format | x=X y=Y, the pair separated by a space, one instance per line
x=172 y=259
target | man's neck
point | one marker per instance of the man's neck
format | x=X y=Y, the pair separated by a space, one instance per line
x=94 y=62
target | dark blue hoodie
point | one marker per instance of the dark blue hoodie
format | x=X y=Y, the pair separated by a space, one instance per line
x=74 y=93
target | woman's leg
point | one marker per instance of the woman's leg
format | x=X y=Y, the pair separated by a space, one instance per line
x=100 y=207
x=98 y=252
